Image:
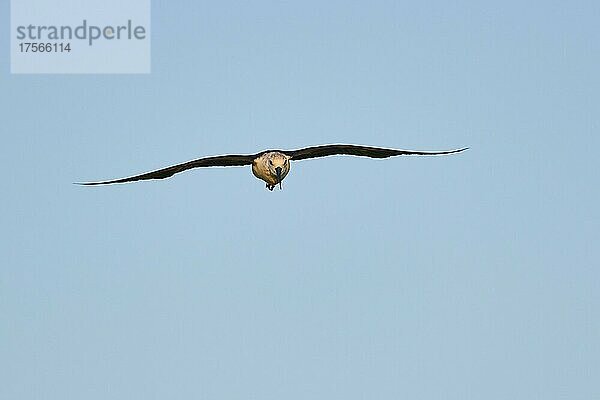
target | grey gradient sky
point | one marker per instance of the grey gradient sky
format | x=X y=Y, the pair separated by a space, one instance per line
x=469 y=276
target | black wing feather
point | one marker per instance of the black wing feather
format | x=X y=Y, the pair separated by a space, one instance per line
x=361 y=151
x=216 y=161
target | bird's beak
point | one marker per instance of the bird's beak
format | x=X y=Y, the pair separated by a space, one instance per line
x=278 y=171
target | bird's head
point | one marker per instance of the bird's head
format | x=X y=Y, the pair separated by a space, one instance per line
x=279 y=165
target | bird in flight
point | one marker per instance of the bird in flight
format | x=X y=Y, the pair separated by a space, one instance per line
x=272 y=166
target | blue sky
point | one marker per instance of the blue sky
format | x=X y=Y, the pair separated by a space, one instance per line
x=470 y=276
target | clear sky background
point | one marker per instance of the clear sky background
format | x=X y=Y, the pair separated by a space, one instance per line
x=468 y=276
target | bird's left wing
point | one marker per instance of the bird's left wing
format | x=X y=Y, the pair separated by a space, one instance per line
x=231 y=160
x=361 y=151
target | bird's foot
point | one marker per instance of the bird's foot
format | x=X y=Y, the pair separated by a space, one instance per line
x=270 y=187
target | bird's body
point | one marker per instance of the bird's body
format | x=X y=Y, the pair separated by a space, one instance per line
x=265 y=167
x=272 y=166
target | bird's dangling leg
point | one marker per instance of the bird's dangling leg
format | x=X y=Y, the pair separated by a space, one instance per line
x=270 y=187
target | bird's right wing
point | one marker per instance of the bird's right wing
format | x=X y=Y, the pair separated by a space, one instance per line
x=215 y=161
x=361 y=151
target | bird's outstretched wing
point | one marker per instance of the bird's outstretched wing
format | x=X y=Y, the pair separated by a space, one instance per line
x=361 y=151
x=216 y=161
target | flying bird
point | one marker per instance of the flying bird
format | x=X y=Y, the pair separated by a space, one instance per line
x=272 y=166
